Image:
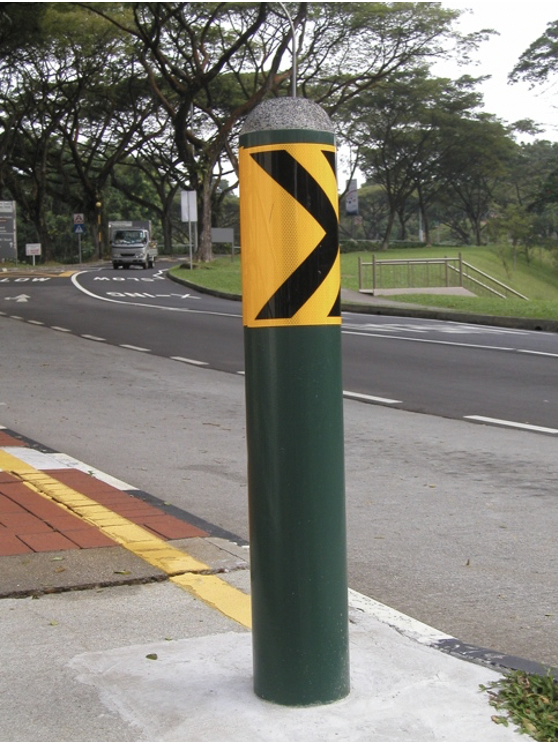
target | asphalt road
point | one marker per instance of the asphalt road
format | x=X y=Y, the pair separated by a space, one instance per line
x=464 y=371
x=452 y=522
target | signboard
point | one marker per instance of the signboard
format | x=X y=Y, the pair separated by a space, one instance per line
x=78 y=219
x=351 y=200
x=32 y=249
x=291 y=264
x=189 y=206
x=222 y=235
x=8 y=238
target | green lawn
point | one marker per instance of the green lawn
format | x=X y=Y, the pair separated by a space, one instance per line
x=537 y=280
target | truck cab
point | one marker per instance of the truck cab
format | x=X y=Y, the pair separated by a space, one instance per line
x=131 y=244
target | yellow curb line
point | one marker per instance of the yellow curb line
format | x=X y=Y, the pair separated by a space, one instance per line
x=177 y=564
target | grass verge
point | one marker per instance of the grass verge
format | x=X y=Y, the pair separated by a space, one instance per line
x=221 y=275
x=537 y=282
x=530 y=702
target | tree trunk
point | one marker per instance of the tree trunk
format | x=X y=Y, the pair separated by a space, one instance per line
x=205 y=247
x=166 y=225
x=387 y=233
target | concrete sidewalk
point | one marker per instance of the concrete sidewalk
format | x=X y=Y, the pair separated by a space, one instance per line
x=122 y=621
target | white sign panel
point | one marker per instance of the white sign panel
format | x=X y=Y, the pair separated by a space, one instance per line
x=8 y=242
x=189 y=206
x=351 y=200
x=32 y=249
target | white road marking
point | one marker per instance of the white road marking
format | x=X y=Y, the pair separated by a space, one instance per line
x=437 y=342
x=537 y=353
x=145 y=304
x=195 y=362
x=369 y=398
x=439 y=327
x=133 y=348
x=512 y=424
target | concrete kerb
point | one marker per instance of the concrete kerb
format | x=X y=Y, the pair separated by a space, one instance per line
x=353 y=302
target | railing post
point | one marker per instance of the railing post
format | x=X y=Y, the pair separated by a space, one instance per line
x=460 y=269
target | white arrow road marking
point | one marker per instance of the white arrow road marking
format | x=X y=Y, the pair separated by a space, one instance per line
x=20 y=298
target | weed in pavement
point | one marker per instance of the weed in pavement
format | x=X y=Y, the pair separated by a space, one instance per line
x=531 y=702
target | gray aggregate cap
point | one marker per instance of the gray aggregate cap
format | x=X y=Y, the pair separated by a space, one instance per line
x=287 y=113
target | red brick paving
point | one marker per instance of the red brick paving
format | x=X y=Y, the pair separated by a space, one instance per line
x=8 y=441
x=31 y=523
x=130 y=507
x=10 y=544
x=47 y=541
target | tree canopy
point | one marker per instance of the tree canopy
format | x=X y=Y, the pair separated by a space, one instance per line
x=540 y=60
x=113 y=108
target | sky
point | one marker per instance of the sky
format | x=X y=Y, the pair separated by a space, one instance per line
x=519 y=24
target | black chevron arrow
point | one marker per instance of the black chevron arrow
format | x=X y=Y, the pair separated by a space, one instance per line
x=297 y=289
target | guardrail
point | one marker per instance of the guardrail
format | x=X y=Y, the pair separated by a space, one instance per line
x=428 y=273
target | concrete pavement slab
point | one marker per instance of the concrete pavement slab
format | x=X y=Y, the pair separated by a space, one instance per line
x=200 y=689
x=150 y=661
x=39 y=573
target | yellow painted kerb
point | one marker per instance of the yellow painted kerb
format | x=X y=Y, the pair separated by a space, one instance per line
x=177 y=564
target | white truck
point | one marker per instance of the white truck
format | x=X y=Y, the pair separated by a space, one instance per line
x=131 y=244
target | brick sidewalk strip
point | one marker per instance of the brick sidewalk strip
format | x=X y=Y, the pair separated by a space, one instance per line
x=31 y=523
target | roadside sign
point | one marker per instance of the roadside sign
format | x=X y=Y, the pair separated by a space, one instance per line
x=78 y=219
x=8 y=237
x=188 y=206
x=33 y=249
x=79 y=229
x=222 y=235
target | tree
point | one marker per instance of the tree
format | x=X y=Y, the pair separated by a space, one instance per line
x=68 y=113
x=21 y=28
x=92 y=85
x=540 y=60
x=210 y=64
x=404 y=130
x=473 y=171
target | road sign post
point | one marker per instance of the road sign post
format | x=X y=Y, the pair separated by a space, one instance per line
x=79 y=230
x=294 y=403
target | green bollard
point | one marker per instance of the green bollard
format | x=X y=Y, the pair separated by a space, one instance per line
x=294 y=404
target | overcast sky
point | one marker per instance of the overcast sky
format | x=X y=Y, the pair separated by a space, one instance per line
x=519 y=24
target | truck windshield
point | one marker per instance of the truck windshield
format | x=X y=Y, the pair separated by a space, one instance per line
x=130 y=236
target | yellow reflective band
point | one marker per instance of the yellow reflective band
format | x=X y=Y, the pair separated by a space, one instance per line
x=289 y=223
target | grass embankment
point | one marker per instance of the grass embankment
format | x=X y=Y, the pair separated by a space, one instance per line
x=537 y=280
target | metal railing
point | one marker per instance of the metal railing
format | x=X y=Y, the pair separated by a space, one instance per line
x=428 y=273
